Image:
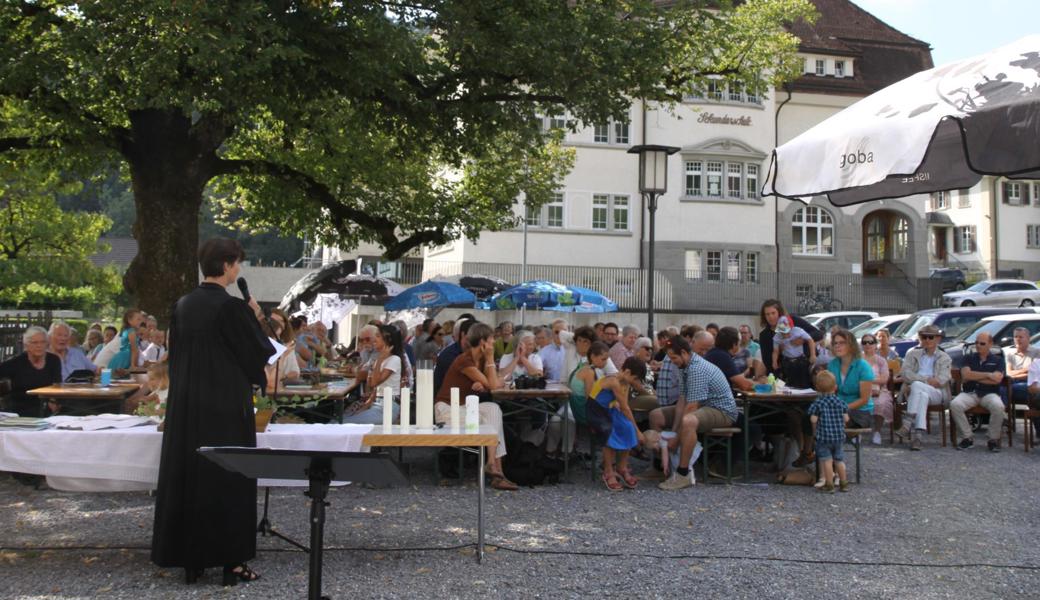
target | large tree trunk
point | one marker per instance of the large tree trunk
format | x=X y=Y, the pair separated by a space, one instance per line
x=169 y=168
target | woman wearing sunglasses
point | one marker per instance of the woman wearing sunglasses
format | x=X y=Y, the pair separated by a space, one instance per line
x=879 y=387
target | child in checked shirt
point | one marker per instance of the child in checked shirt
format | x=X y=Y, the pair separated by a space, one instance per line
x=828 y=415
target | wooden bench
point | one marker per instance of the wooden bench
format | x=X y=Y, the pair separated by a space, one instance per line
x=855 y=437
x=718 y=437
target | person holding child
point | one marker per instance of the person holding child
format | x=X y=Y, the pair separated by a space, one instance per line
x=611 y=419
x=794 y=353
x=828 y=414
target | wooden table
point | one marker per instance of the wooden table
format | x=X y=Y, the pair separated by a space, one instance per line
x=542 y=401
x=773 y=403
x=443 y=437
x=336 y=391
x=87 y=393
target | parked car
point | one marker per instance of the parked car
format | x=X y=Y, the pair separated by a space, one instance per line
x=1000 y=327
x=847 y=319
x=889 y=322
x=996 y=292
x=952 y=279
x=951 y=321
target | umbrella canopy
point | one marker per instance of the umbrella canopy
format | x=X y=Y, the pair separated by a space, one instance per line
x=332 y=280
x=591 y=302
x=532 y=294
x=482 y=286
x=327 y=308
x=431 y=294
x=937 y=130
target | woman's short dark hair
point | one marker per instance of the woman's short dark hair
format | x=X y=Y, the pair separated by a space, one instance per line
x=217 y=252
x=634 y=366
x=597 y=349
x=478 y=332
x=585 y=333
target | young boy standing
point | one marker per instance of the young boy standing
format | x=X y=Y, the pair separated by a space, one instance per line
x=828 y=415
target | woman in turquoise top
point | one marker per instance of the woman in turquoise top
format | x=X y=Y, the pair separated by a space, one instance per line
x=854 y=376
x=128 y=348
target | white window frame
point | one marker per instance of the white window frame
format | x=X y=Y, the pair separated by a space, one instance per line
x=900 y=238
x=713 y=265
x=751 y=264
x=940 y=200
x=540 y=218
x=751 y=172
x=1033 y=236
x=1036 y=193
x=964 y=199
x=709 y=169
x=839 y=68
x=822 y=223
x=1011 y=192
x=715 y=169
x=612 y=132
x=735 y=168
x=533 y=216
x=601 y=133
x=612 y=204
x=693 y=178
x=964 y=236
x=734 y=261
x=820 y=67
x=557 y=203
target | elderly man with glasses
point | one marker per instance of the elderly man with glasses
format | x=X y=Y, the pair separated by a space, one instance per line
x=981 y=376
x=926 y=373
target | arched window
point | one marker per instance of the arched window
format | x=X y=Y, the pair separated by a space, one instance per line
x=900 y=238
x=812 y=232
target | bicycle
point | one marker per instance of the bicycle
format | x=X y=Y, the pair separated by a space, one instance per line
x=819 y=302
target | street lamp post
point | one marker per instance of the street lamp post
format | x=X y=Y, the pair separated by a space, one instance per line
x=653 y=183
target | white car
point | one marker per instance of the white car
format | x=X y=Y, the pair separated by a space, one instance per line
x=871 y=327
x=996 y=292
x=846 y=319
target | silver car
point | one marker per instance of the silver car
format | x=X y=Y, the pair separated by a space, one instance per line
x=996 y=292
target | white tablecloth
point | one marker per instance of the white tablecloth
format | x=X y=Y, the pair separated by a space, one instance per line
x=128 y=459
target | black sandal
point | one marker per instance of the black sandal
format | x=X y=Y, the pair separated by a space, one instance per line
x=235 y=573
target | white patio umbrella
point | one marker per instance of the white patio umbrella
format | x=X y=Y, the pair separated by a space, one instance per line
x=937 y=130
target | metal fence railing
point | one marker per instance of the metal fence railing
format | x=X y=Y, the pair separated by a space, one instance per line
x=722 y=292
x=12 y=328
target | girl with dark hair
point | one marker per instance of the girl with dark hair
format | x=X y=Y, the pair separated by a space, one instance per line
x=390 y=370
x=611 y=420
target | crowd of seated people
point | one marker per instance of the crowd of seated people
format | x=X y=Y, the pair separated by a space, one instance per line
x=683 y=381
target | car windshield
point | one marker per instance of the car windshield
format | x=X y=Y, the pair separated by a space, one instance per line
x=911 y=326
x=979 y=287
x=871 y=326
x=991 y=327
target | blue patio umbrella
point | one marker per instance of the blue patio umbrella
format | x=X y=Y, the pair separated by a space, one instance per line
x=430 y=294
x=591 y=302
x=532 y=294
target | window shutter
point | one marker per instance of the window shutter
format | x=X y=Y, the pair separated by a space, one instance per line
x=1006 y=195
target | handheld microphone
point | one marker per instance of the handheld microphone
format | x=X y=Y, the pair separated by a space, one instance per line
x=243 y=287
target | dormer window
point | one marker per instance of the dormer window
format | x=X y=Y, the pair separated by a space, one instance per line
x=821 y=67
x=839 y=68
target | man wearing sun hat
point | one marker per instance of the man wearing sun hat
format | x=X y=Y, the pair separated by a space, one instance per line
x=926 y=371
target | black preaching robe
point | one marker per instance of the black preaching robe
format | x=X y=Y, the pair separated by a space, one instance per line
x=206 y=516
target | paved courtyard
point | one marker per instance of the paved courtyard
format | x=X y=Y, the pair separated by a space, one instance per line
x=933 y=524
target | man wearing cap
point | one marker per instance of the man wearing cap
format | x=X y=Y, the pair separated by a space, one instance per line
x=926 y=373
x=982 y=375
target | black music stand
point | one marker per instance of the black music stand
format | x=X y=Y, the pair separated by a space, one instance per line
x=318 y=467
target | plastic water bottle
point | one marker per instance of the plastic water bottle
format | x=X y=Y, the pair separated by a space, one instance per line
x=771 y=380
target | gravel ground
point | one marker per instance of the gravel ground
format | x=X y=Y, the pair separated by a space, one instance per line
x=932 y=524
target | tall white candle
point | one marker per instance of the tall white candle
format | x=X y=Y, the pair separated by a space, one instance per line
x=472 y=414
x=406 y=408
x=388 y=408
x=456 y=417
x=424 y=400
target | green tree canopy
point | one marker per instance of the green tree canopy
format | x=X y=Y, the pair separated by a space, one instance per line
x=403 y=122
x=44 y=250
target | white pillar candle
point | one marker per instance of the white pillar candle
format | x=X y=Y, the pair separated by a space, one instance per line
x=406 y=408
x=456 y=416
x=388 y=408
x=472 y=414
x=424 y=400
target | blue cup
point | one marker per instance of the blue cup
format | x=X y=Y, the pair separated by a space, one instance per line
x=106 y=377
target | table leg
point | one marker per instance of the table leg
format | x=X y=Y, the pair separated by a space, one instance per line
x=565 y=423
x=747 y=442
x=480 y=504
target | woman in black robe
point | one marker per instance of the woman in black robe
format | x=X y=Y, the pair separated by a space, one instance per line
x=206 y=516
